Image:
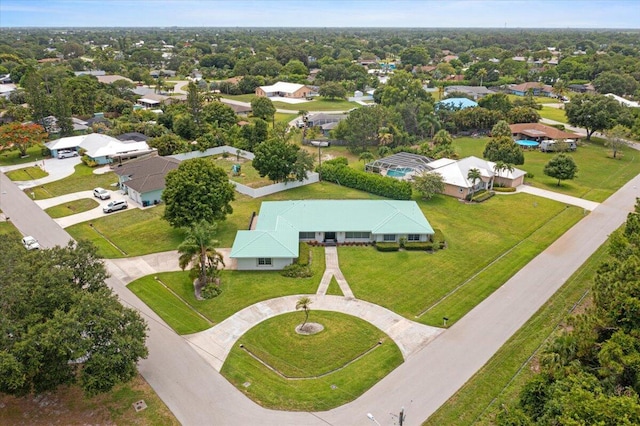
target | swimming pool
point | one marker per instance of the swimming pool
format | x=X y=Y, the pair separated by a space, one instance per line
x=527 y=143
x=401 y=172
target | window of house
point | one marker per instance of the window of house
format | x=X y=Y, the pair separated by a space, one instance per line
x=351 y=235
x=389 y=237
x=264 y=261
x=307 y=235
x=413 y=237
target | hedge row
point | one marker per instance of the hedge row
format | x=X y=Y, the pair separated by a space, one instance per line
x=482 y=196
x=419 y=246
x=303 y=254
x=438 y=238
x=300 y=268
x=369 y=182
x=388 y=246
x=504 y=189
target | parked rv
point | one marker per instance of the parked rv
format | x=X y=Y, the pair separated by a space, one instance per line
x=558 y=146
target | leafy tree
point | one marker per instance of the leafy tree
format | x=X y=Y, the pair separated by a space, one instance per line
x=401 y=87
x=198 y=249
x=84 y=92
x=254 y=134
x=365 y=156
x=304 y=163
x=195 y=102
x=304 y=303
x=496 y=102
x=295 y=67
x=618 y=83
x=219 y=114
x=332 y=90
x=561 y=167
x=415 y=55
x=593 y=112
x=60 y=323
x=197 y=190
x=275 y=159
x=185 y=126
x=523 y=114
x=263 y=108
x=429 y=184
x=169 y=144
x=501 y=146
x=21 y=136
x=477 y=118
x=360 y=128
x=501 y=129
x=617 y=138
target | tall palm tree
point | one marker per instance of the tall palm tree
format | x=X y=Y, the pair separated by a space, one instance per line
x=482 y=73
x=499 y=167
x=304 y=303
x=473 y=175
x=198 y=250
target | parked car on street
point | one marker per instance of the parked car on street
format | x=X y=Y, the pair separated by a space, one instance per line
x=101 y=193
x=30 y=243
x=67 y=153
x=114 y=206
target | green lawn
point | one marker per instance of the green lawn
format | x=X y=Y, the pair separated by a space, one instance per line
x=7 y=228
x=410 y=283
x=538 y=99
x=501 y=379
x=134 y=232
x=328 y=352
x=599 y=175
x=10 y=157
x=551 y=113
x=242 y=98
x=83 y=179
x=248 y=175
x=239 y=290
x=28 y=173
x=72 y=207
x=334 y=288
x=318 y=104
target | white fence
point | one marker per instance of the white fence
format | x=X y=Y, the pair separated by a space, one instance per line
x=312 y=177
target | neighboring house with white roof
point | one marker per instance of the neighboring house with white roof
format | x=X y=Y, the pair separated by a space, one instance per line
x=274 y=241
x=457 y=184
x=98 y=147
x=623 y=101
x=7 y=89
x=282 y=89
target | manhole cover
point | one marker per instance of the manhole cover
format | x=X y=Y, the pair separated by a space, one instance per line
x=140 y=405
x=246 y=384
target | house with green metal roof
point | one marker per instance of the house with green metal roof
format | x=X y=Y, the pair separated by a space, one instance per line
x=272 y=243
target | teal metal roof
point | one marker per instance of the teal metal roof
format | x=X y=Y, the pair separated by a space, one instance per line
x=276 y=232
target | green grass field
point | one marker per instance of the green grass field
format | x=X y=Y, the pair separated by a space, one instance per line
x=83 y=179
x=239 y=290
x=344 y=338
x=553 y=114
x=599 y=175
x=28 y=173
x=527 y=225
x=72 y=207
x=248 y=176
x=501 y=379
x=11 y=157
x=318 y=104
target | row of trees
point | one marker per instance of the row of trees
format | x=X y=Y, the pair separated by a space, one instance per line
x=589 y=374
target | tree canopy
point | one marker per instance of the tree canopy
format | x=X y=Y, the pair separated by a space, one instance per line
x=282 y=161
x=594 y=112
x=197 y=190
x=60 y=323
x=561 y=167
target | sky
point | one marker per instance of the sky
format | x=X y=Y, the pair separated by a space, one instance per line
x=321 y=13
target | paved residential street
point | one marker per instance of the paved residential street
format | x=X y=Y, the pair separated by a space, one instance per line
x=197 y=394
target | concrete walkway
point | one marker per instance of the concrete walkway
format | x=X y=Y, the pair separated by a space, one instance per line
x=215 y=343
x=332 y=269
x=56 y=168
x=563 y=198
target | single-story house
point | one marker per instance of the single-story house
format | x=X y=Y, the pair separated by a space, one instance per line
x=5 y=79
x=51 y=124
x=322 y=118
x=93 y=73
x=457 y=184
x=623 y=101
x=476 y=92
x=6 y=89
x=539 y=132
x=164 y=73
x=457 y=103
x=537 y=89
x=147 y=103
x=582 y=88
x=281 y=225
x=282 y=89
x=238 y=109
x=143 y=179
x=100 y=148
x=110 y=79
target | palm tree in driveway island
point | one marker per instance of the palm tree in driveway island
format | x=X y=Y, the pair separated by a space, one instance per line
x=473 y=175
x=198 y=249
x=304 y=303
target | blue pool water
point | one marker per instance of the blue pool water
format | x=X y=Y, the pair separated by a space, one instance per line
x=399 y=172
x=527 y=143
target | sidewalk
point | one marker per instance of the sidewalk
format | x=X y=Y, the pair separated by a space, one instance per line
x=563 y=198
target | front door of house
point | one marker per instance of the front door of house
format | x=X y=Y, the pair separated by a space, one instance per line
x=329 y=236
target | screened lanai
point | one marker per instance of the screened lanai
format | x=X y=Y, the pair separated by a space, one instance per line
x=400 y=165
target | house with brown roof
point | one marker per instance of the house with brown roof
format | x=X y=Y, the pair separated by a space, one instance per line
x=537 y=89
x=143 y=179
x=539 y=132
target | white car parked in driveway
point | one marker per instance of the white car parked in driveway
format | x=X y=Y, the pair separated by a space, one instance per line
x=101 y=193
x=114 y=206
x=30 y=243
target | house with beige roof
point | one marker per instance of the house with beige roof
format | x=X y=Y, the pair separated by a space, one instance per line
x=540 y=132
x=285 y=90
